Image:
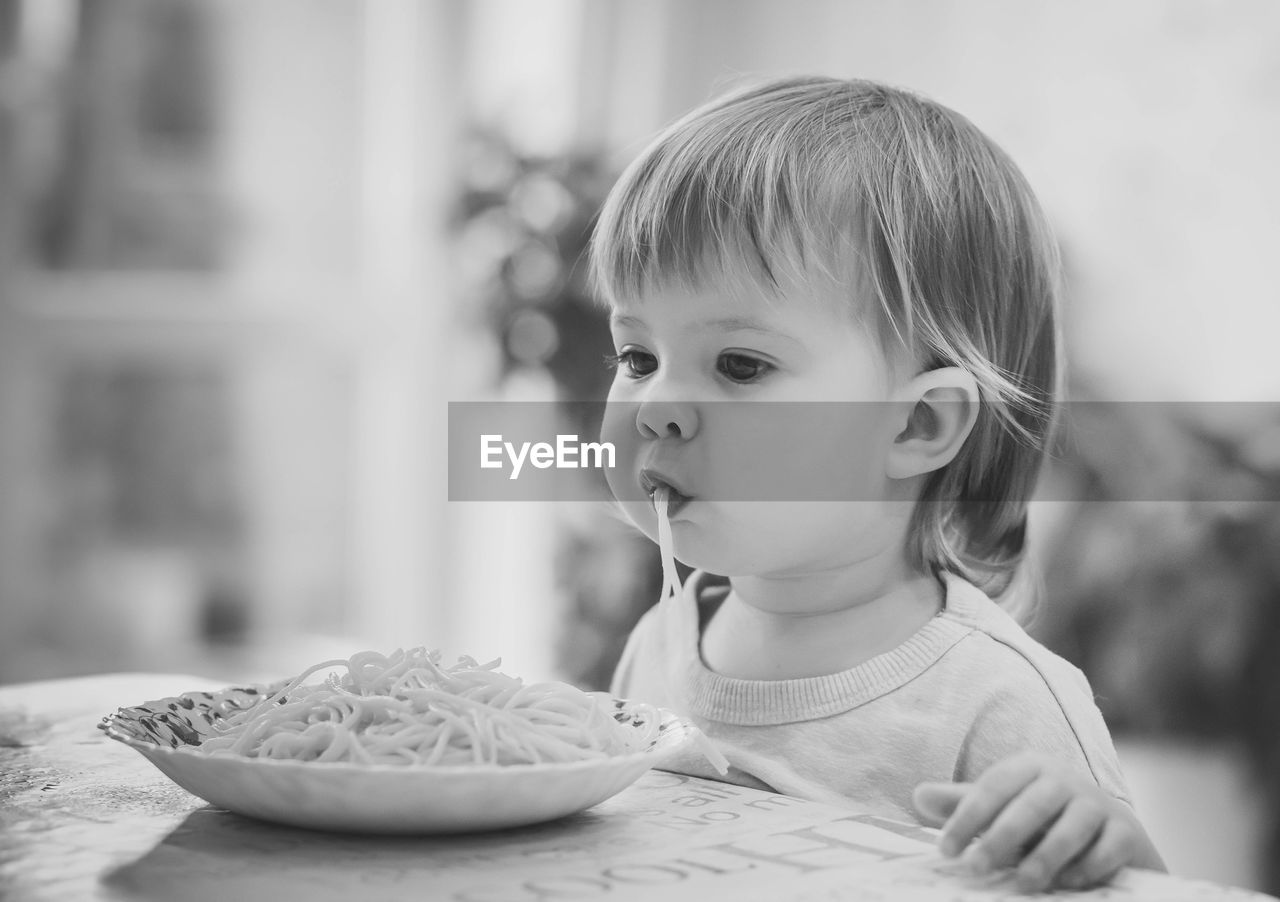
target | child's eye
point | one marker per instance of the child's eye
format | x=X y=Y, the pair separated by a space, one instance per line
x=634 y=364
x=742 y=368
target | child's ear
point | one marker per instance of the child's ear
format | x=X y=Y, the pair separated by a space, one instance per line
x=939 y=409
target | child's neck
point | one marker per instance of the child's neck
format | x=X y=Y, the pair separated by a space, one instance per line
x=816 y=624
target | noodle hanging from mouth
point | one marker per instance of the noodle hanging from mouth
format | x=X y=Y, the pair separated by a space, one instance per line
x=670 y=590
x=666 y=545
x=408 y=709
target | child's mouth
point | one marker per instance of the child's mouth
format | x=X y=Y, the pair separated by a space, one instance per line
x=652 y=482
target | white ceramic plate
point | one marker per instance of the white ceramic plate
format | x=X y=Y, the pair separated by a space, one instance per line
x=374 y=798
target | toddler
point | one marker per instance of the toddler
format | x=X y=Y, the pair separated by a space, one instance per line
x=818 y=282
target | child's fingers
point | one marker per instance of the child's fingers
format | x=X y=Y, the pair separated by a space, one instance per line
x=1079 y=825
x=985 y=800
x=935 y=801
x=1028 y=814
x=1113 y=849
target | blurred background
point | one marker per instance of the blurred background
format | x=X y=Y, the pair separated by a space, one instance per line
x=248 y=253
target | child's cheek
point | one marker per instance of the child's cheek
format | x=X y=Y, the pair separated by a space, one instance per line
x=619 y=430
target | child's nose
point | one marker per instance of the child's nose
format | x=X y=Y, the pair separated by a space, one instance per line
x=661 y=418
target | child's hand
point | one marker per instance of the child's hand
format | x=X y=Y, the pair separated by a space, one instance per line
x=1056 y=826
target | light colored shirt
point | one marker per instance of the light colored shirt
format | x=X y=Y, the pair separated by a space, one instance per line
x=967 y=690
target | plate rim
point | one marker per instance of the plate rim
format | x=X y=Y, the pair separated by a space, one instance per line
x=664 y=742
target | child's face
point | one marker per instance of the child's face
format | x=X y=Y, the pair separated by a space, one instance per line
x=682 y=354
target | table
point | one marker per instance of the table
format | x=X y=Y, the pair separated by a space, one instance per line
x=86 y=818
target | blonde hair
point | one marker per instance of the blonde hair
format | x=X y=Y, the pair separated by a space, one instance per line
x=818 y=175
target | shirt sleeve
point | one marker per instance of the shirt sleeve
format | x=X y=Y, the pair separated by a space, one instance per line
x=1049 y=710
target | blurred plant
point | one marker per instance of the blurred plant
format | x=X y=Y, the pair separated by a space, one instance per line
x=525 y=225
x=1164 y=582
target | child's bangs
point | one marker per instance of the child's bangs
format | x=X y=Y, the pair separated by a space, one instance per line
x=697 y=211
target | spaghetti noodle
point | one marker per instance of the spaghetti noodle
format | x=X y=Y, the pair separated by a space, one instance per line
x=670 y=578
x=408 y=709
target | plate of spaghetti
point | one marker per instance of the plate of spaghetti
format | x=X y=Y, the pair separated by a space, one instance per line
x=403 y=743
